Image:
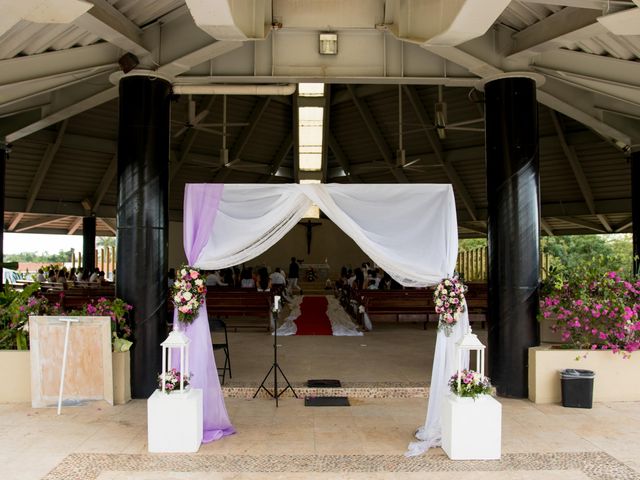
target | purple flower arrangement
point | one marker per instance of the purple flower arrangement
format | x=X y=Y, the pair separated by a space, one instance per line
x=171 y=380
x=595 y=313
x=472 y=384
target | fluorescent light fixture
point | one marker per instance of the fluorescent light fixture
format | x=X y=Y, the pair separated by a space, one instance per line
x=311 y=89
x=328 y=43
x=310 y=138
x=310 y=162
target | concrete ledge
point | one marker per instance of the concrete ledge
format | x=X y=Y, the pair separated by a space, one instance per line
x=616 y=377
x=17 y=373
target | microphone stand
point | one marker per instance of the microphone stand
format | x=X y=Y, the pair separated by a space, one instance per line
x=275 y=367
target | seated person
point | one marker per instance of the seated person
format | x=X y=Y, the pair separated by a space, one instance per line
x=40 y=277
x=372 y=285
x=227 y=276
x=215 y=280
x=94 y=275
x=246 y=278
x=277 y=277
x=264 y=282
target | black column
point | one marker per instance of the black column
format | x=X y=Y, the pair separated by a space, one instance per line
x=4 y=156
x=511 y=136
x=88 y=243
x=143 y=160
x=635 y=209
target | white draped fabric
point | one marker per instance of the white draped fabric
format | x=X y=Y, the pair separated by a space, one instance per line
x=251 y=219
x=408 y=230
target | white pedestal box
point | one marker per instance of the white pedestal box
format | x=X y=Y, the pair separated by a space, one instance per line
x=174 y=421
x=472 y=430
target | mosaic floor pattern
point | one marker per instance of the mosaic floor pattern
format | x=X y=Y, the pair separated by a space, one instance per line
x=565 y=465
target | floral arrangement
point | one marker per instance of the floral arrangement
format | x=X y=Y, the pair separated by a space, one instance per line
x=594 y=311
x=171 y=380
x=117 y=309
x=449 y=301
x=16 y=306
x=472 y=384
x=188 y=293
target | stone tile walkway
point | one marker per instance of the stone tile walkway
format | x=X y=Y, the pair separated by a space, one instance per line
x=365 y=441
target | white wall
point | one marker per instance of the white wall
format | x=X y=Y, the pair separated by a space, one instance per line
x=328 y=243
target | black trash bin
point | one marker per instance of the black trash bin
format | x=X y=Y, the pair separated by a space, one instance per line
x=577 y=388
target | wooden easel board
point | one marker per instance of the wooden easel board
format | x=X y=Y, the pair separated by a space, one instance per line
x=89 y=373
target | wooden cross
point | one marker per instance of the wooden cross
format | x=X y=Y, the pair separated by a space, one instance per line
x=309 y=226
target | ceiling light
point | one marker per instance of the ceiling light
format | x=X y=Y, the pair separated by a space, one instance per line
x=311 y=89
x=328 y=43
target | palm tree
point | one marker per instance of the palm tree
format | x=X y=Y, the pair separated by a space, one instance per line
x=106 y=242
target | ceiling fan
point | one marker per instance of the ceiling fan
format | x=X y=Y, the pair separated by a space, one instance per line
x=195 y=120
x=441 y=124
x=440 y=120
x=401 y=159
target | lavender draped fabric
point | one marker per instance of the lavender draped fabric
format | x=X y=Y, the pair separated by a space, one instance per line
x=200 y=209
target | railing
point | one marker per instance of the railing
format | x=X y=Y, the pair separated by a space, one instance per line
x=472 y=264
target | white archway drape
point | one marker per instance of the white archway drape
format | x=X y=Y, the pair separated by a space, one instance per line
x=410 y=231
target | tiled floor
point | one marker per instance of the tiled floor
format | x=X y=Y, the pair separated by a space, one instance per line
x=363 y=442
x=390 y=353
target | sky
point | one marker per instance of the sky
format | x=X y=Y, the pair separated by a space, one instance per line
x=33 y=242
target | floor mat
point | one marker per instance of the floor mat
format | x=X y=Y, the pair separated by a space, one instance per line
x=326 y=402
x=324 y=383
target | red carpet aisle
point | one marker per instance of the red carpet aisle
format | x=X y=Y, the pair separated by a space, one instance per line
x=313 y=319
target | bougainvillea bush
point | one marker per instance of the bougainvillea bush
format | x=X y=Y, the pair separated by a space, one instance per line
x=17 y=305
x=594 y=311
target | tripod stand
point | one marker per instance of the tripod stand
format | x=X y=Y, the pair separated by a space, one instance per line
x=275 y=368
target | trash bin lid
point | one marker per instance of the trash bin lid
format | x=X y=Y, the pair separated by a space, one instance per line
x=574 y=373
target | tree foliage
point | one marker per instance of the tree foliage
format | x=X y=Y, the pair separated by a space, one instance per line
x=603 y=253
x=44 y=257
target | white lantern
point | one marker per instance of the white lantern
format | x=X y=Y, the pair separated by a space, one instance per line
x=470 y=343
x=175 y=340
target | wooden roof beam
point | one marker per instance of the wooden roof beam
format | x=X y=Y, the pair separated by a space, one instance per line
x=107 y=22
x=578 y=172
x=436 y=146
x=38 y=179
x=376 y=135
x=342 y=159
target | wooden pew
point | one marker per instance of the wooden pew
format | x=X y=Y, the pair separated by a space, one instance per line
x=76 y=298
x=243 y=303
x=477 y=297
x=419 y=302
x=397 y=302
